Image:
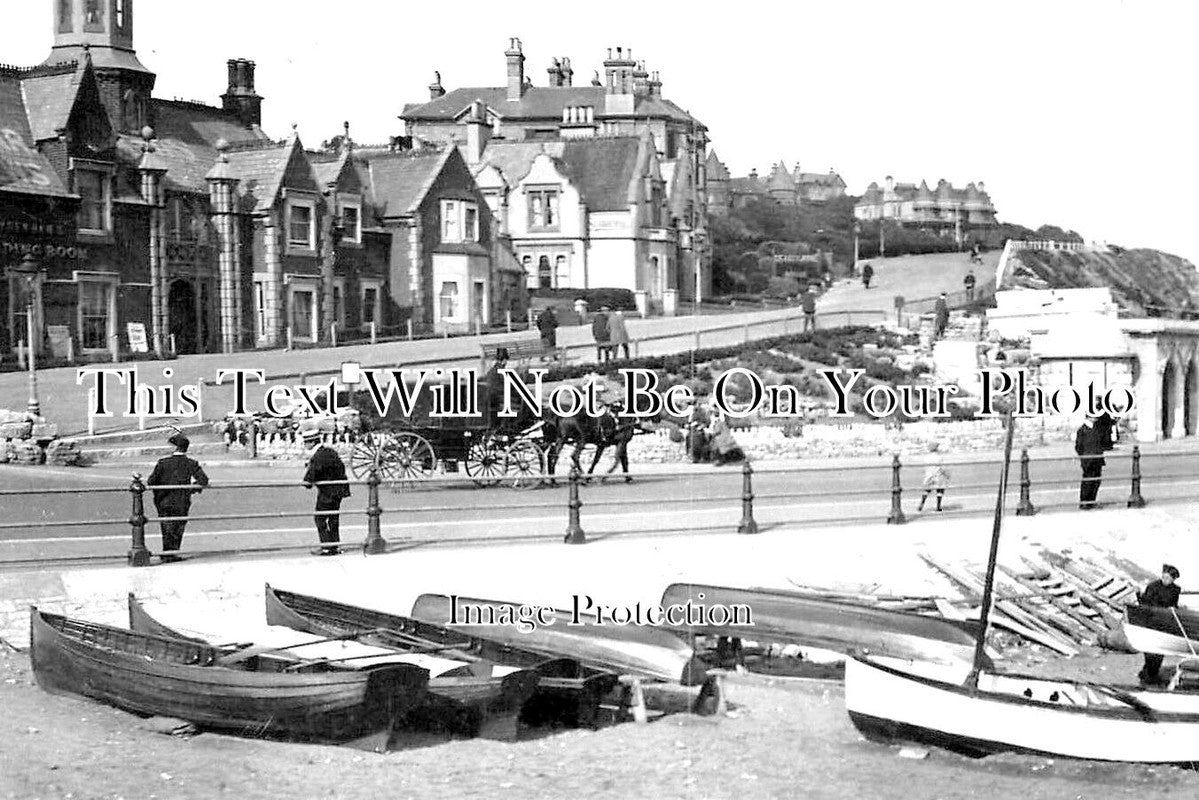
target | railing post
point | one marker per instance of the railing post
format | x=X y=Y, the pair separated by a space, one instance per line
x=1135 y=500
x=375 y=543
x=748 y=524
x=139 y=556
x=1026 y=508
x=574 y=531
x=896 y=516
x=252 y=433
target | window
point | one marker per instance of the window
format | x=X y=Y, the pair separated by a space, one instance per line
x=351 y=220
x=95 y=191
x=64 y=16
x=260 y=307
x=543 y=208
x=449 y=299
x=530 y=272
x=95 y=306
x=459 y=221
x=561 y=272
x=544 y=276
x=339 y=306
x=303 y=320
x=120 y=14
x=91 y=14
x=301 y=230
x=655 y=205
x=370 y=304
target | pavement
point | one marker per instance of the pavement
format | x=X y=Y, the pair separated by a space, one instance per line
x=610 y=568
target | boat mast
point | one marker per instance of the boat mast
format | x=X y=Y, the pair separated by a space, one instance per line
x=989 y=586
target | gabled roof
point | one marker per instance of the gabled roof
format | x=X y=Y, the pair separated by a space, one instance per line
x=195 y=123
x=819 y=178
x=262 y=170
x=537 y=103
x=780 y=178
x=399 y=182
x=23 y=169
x=603 y=169
x=715 y=167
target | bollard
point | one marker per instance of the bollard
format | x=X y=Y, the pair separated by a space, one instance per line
x=748 y=524
x=574 y=531
x=896 y=516
x=508 y=320
x=333 y=334
x=139 y=556
x=375 y=333
x=1135 y=500
x=409 y=330
x=1026 y=508
x=375 y=543
x=253 y=434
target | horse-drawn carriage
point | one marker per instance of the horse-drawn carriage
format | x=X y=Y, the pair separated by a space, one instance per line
x=490 y=448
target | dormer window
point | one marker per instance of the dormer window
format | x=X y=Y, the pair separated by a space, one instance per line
x=351 y=221
x=543 y=209
x=94 y=187
x=301 y=223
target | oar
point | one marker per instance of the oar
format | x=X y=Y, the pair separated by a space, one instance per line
x=250 y=652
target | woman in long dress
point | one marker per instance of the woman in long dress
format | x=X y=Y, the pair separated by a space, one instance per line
x=936 y=477
x=722 y=445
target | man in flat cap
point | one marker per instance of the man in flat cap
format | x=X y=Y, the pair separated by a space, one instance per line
x=180 y=471
x=324 y=464
x=1090 y=443
x=1163 y=593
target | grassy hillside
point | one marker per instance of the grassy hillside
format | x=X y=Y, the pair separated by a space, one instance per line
x=1143 y=282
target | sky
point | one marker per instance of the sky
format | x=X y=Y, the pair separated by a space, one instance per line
x=1079 y=114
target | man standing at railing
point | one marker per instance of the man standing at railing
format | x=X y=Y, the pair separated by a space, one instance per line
x=324 y=464
x=177 y=469
x=1089 y=444
x=809 y=309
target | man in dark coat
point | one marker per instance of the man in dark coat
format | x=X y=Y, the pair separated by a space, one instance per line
x=1162 y=593
x=1089 y=445
x=547 y=324
x=969 y=282
x=599 y=329
x=808 y=301
x=177 y=469
x=867 y=274
x=325 y=465
x=941 y=315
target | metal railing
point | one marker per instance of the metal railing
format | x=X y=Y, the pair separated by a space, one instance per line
x=887 y=486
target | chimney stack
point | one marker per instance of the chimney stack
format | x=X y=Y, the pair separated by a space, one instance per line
x=555 y=75
x=640 y=80
x=477 y=132
x=567 y=72
x=239 y=98
x=516 y=69
x=436 y=90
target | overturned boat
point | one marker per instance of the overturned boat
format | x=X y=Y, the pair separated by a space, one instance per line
x=783 y=617
x=153 y=675
x=641 y=651
x=1165 y=630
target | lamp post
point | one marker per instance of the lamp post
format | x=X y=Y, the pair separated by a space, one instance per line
x=29 y=269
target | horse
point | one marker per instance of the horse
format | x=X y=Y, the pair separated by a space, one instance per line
x=607 y=430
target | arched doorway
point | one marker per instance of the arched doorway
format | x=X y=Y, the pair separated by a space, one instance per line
x=181 y=305
x=1167 y=392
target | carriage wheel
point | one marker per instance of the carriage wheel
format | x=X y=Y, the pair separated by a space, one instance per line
x=408 y=458
x=525 y=465
x=369 y=449
x=485 y=461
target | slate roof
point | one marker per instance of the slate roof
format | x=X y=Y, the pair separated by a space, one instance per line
x=260 y=171
x=538 y=102
x=48 y=103
x=945 y=192
x=715 y=167
x=22 y=168
x=398 y=182
x=780 y=178
x=600 y=168
x=819 y=178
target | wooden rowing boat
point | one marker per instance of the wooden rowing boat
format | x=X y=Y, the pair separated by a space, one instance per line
x=1168 y=631
x=155 y=675
x=479 y=699
x=782 y=617
x=644 y=652
x=932 y=704
x=980 y=711
x=567 y=692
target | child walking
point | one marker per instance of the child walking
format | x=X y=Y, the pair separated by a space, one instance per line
x=936 y=477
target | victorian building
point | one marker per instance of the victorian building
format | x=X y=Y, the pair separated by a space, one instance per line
x=177 y=226
x=946 y=210
x=627 y=102
x=782 y=186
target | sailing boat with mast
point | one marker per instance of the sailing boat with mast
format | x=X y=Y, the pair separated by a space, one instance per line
x=985 y=712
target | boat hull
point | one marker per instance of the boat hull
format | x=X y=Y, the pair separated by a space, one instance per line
x=1168 y=631
x=545 y=690
x=641 y=651
x=790 y=618
x=157 y=676
x=1148 y=640
x=1021 y=714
